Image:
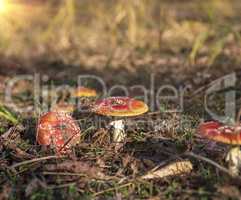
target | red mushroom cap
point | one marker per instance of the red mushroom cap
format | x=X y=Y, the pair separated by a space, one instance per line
x=120 y=107
x=220 y=133
x=58 y=130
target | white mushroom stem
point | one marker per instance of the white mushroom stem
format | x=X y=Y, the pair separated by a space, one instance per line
x=234 y=160
x=119 y=134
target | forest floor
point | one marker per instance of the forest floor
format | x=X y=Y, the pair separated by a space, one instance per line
x=94 y=169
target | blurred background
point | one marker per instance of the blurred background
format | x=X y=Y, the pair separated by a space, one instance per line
x=113 y=34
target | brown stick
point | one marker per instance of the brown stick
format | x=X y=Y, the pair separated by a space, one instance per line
x=221 y=168
x=34 y=160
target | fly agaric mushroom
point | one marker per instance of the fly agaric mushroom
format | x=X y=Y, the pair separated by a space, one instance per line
x=58 y=130
x=84 y=96
x=119 y=107
x=228 y=135
x=84 y=92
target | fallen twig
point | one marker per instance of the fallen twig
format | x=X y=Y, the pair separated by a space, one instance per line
x=113 y=189
x=54 y=187
x=35 y=160
x=221 y=168
x=63 y=174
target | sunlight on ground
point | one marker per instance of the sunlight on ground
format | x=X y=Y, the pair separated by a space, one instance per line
x=3 y=6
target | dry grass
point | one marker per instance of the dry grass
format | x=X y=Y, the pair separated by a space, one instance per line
x=94 y=27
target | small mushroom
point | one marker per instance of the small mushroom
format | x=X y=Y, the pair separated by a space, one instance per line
x=84 y=92
x=119 y=107
x=228 y=135
x=84 y=97
x=58 y=130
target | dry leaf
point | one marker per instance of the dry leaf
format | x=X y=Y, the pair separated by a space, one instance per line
x=173 y=169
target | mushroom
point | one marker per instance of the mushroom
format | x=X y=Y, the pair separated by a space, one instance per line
x=84 y=92
x=225 y=134
x=85 y=95
x=119 y=107
x=58 y=130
